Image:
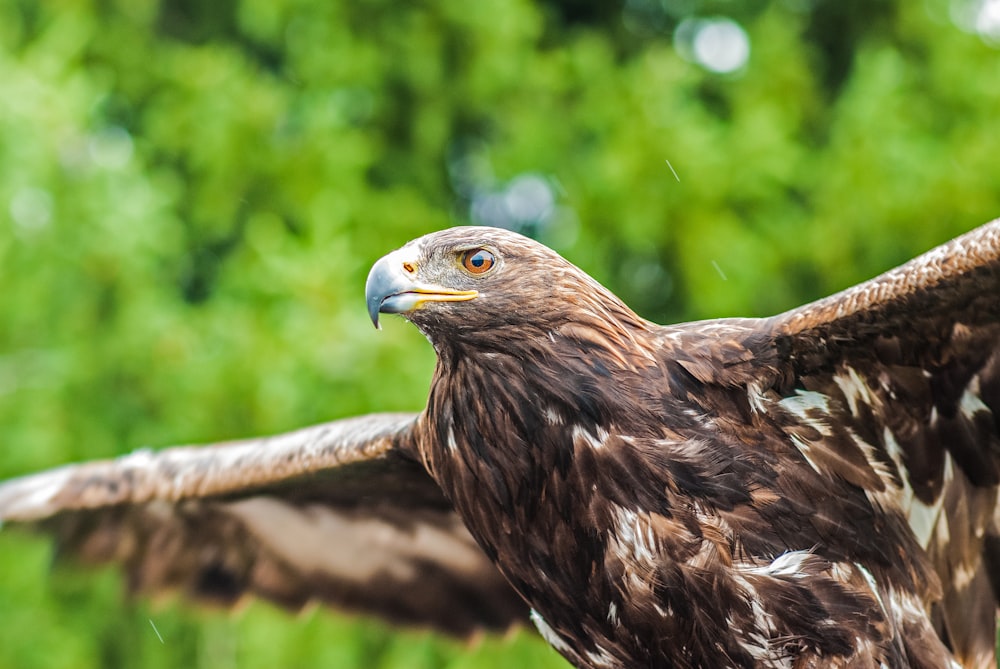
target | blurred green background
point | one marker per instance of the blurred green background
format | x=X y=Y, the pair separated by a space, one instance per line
x=191 y=194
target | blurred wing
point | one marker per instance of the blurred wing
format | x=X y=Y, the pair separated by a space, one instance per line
x=894 y=385
x=338 y=513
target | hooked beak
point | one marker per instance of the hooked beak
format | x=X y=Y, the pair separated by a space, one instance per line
x=393 y=288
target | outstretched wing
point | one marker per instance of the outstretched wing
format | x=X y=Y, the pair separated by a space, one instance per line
x=894 y=385
x=339 y=513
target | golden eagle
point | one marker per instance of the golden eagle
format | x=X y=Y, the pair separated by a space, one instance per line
x=816 y=489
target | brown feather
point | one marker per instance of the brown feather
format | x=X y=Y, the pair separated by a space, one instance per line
x=339 y=514
x=817 y=489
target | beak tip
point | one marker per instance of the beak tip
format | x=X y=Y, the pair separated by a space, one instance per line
x=377 y=287
x=373 y=314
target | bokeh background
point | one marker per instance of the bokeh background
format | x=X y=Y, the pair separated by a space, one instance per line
x=191 y=194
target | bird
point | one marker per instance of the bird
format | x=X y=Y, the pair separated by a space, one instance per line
x=812 y=489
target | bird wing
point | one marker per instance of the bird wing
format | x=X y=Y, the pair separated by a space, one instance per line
x=339 y=513
x=880 y=409
x=894 y=385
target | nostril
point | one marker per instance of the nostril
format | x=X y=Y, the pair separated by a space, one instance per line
x=409 y=267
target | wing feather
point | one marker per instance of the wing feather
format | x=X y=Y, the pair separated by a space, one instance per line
x=890 y=392
x=951 y=280
x=909 y=364
x=339 y=513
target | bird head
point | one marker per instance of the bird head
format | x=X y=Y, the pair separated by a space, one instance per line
x=484 y=280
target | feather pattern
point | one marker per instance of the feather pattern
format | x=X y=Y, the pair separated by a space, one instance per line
x=339 y=513
x=816 y=489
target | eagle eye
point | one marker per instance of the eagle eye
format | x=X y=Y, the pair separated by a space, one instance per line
x=478 y=261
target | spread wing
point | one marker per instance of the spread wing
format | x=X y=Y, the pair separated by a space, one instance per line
x=338 y=513
x=880 y=410
x=894 y=385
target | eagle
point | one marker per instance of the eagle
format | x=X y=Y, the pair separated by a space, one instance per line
x=813 y=489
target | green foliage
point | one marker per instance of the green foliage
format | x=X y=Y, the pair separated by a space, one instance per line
x=192 y=193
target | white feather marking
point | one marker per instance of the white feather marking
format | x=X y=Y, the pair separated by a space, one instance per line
x=759 y=648
x=873 y=458
x=699 y=416
x=613 y=614
x=452 y=445
x=805 y=401
x=971 y=403
x=854 y=389
x=594 y=441
x=787 y=564
x=804 y=448
x=872 y=585
x=895 y=453
x=962 y=575
x=634 y=582
x=813 y=409
x=634 y=539
x=756 y=639
x=906 y=605
x=869 y=579
x=600 y=658
x=548 y=633
x=920 y=516
x=941 y=530
x=552 y=416
x=922 y=519
x=755 y=397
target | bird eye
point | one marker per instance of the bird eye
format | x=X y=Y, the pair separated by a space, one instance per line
x=478 y=261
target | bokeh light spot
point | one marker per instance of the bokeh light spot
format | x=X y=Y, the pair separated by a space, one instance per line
x=981 y=17
x=31 y=209
x=110 y=148
x=717 y=44
x=525 y=204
